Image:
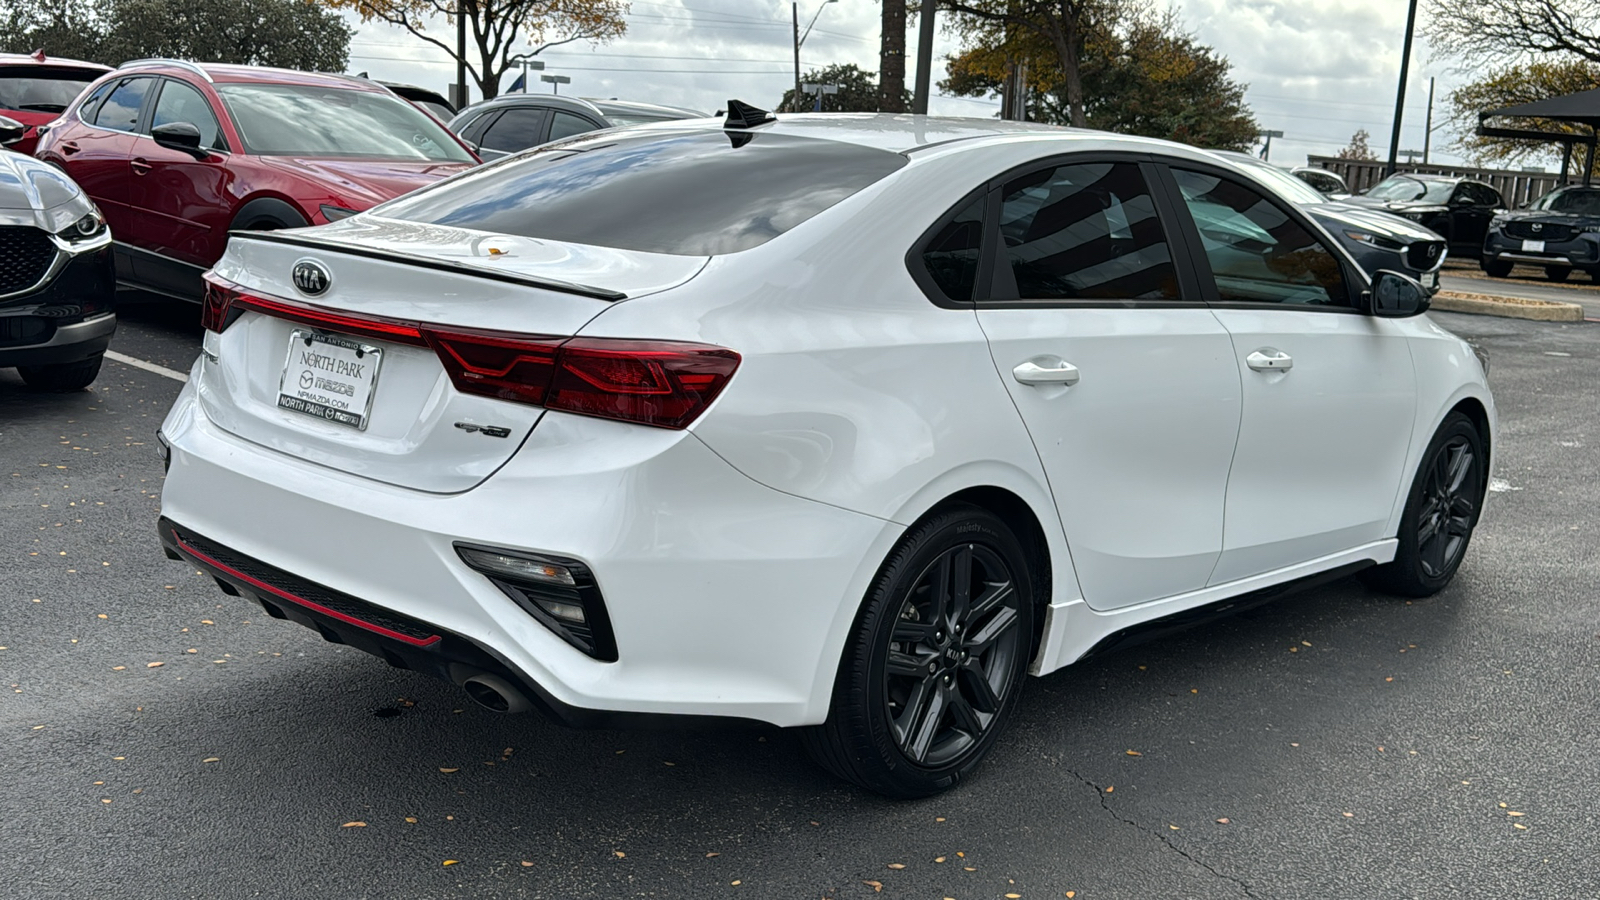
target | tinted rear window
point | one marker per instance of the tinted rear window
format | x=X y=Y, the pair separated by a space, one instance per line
x=42 y=90
x=694 y=194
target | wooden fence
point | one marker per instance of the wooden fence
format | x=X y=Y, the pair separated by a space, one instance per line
x=1517 y=187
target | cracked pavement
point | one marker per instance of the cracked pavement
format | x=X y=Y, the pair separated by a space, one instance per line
x=1357 y=745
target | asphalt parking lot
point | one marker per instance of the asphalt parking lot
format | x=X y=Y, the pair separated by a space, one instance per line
x=160 y=739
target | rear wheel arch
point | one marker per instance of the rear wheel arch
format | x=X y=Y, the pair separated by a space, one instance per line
x=268 y=213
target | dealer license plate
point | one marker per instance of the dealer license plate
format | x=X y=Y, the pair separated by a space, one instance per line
x=330 y=377
x=1429 y=279
x=1533 y=246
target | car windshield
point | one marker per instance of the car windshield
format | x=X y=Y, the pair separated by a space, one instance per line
x=1399 y=187
x=42 y=90
x=1583 y=203
x=305 y=120
x=696 y=194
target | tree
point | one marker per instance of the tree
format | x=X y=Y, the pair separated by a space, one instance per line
x=1143 y=74
x=1358 y=148
x=1062 y=25
x=1510 y=86
x=1491 y=31
x=858 y=91
x=493 y=27
x=892 y=57
x=294 y=34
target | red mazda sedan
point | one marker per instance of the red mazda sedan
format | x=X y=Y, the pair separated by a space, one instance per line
x=35 y=89
x=178 y=154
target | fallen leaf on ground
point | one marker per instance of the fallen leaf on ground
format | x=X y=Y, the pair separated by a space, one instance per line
x=620 y=854
x=451 y=862
x=411 y=819
x=1071 y=894
x=877 y=886
x=526 y=864
x=1517 y=825
x=1134 y=753
x=354 y=825
x=211 y=759
x=1222 y=821
x=1349 y=815
x=118 y=668
x=903 y=865
x=448 y=771
x=736 y=882
x=938 y=859
x=1110 y=788
x=1013 y=897
x=712 y=854
x=1515 y=814
x=154 y=665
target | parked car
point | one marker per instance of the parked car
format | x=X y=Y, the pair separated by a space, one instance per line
x=178 y=154
x=1328 y=184
x=431 y=102
x=1559 y=231
x=56 y=286
x=1458 y=208
x=707 y=421
x=36 y=89
x=1378 y=240
x=513 y=122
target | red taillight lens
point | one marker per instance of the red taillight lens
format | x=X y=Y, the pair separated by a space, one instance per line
x=215 y=306
x=504 y=367
x=650 y=382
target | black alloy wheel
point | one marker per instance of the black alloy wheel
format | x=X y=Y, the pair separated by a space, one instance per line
x=1441 y=511
x=935 y=663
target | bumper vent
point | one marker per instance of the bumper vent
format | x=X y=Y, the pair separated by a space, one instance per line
x=560 y=593
x=25 y=255
x=1538 y=231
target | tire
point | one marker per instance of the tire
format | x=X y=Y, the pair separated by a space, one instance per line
x=930 y=677
x=62 y=378
x=1441 y=511
x=1557 y=273
x=1497 y=268
x=267 y=214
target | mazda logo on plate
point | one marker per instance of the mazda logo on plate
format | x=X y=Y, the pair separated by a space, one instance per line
x=311 y=277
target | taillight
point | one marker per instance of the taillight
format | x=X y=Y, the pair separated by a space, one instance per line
x=650 y=382
x=662 y=383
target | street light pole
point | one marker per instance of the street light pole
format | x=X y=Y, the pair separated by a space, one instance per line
x=799 y=38
x=919 y=96
x=1400 y=95
x=461 y=54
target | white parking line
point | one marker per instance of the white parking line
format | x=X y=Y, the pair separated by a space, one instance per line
x=147 y=366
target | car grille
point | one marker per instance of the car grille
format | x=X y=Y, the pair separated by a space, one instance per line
x=1424 y=255
x=25 y=255
x=1538 y=231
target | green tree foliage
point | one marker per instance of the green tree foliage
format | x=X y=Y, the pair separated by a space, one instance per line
x=1358 y=149
x=1513 y=85
x=1053 y=33
x=293 y=34
x=1141 y=73
x=858 y=91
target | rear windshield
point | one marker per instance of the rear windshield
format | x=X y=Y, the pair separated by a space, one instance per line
x=301 y=120
x=694 y=194
x=42 y=90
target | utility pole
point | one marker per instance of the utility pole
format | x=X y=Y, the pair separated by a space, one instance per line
x=1400 y=94
x=924 y=83
x=461 y=54
x=795 y=9
x=1427 y=134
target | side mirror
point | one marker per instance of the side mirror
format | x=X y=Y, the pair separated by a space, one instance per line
x=11 y=131
x=180 y=136
x=1395 y=296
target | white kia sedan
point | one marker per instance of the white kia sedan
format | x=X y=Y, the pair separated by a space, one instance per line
x=847 y=423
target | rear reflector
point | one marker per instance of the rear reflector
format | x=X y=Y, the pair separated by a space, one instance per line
x=661 y=383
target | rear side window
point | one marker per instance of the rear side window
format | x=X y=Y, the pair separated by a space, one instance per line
x=951 y=256
x=693 y=194
x=120 y=111
x=567 y=125
x=1087 y=231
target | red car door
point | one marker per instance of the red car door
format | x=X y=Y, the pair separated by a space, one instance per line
x=181 y=203
x=95 y=150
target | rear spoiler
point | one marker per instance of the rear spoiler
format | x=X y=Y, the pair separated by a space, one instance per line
x=549 y=284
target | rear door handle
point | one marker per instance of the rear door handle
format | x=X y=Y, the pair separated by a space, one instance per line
x=69 y=147
x=1269 y=360
x=140 y=166
x=1030 y=372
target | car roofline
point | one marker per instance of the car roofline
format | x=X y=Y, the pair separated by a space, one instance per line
x=155 y=62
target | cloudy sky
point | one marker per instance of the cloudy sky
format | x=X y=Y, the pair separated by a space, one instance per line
x=1317 y=69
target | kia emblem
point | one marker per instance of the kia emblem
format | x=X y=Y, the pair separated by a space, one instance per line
x=311 y=277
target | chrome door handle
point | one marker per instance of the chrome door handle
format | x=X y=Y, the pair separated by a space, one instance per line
x=1269 y=360
x=140 y=166
x=1030 y=372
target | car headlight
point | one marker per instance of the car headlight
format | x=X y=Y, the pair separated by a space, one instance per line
x=1375 y=240
x=88 y=226
x=335 y=213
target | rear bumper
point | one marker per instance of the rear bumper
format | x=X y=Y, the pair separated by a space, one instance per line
x=727 y=599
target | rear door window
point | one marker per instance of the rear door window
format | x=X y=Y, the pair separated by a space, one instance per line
x=567 y=125
x=181 y=103
x=694 y=194
x=120 y=110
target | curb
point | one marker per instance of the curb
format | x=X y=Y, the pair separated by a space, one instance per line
x=1507 y=307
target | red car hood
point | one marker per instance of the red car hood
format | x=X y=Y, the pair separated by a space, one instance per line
x=364 y=183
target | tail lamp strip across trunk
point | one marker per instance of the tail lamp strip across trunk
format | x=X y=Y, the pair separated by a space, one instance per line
x=667 y=384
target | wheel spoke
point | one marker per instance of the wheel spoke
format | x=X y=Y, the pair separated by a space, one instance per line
x=926 y=723
x=908 y=632
x=995 y=594
x=962 y=715
x=976 y=682
x=1462 y=506
x=1460 y=463
x=939 y=610
x=909 y=665
x=1002 y=622
x=1433 y=555
x=960 y=585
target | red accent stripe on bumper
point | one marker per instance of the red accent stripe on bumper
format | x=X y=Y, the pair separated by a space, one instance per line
x=301 y=601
